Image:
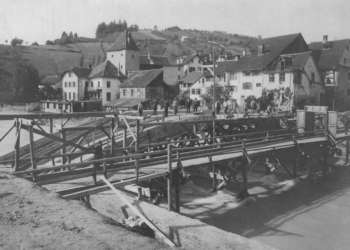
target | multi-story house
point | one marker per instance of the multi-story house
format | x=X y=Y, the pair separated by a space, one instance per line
x=73 y=83
x=275 y=63
x=104 y=83
x=188 y=80
x=189 y=64
x=333 y=61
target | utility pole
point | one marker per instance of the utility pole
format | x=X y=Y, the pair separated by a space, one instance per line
x=213 y=83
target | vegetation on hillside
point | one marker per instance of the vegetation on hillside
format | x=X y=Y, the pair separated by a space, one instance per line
x=103 y=29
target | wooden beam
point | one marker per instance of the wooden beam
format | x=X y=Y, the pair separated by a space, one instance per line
x=63 y=150
x=128 y=126
x=137 y=149
x=17 y=144
x=55 y=138
x=66 y=122
x=14 y=124
x=37 y=124
x=51 y=125
x=32 y=149
x=31 y=116
x=112 y=137
x=136 y=211
x=170 y=172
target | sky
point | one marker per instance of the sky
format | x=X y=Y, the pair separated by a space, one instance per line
x=41 y=20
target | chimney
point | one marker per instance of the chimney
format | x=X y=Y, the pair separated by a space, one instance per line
x=325 y=39
x=129 y=36
x=261 y=49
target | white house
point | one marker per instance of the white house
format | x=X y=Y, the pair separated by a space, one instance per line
x=73 y=82
x=189 y=64
x=104 y=83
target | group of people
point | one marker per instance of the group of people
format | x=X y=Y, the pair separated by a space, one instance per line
x=191 y=103
x=225 y=106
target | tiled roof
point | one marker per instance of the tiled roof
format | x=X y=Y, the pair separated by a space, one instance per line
x=330 y=57
x=156 y=60
x=124 y=41
x=126 y=103
x=274 y=46
x=299 y=60
x=106 y=70
x=51 y=80
x=141 y=78
x=186 y=59
x=79 y=72
x=191 y=77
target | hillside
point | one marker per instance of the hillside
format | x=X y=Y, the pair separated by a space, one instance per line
x=54 y=59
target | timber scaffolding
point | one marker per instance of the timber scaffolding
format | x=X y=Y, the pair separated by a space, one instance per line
x=163 y=149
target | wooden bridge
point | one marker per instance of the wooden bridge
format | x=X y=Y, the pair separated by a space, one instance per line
x=158 y=148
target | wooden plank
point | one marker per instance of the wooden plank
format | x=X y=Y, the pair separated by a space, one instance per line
x=170 y=173
x=31 y=116
x=32 y=149
x=137 y=149
x=112 y=137
x=51 y=125
x=63 y=150
x=128 y=126
x=144 y=219
x=17 y=144
x=14 y=124
x=55 y=138
x=37 y=124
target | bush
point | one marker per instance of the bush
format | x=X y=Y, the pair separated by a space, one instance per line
x=16 y=41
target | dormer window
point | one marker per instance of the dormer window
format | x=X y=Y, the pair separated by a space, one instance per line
x=69 y=74
x=132 y=56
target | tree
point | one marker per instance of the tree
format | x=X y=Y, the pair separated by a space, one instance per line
x=75 y=35
x=125 y=25
x=155 y=28
x=64 y=34
x=48 y=42
x=16 y=41
x=221 y=92
x=24 y=82
x=35 y=43
x=71 y=34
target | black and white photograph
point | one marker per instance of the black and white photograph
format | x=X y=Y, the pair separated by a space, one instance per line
x=178 y=124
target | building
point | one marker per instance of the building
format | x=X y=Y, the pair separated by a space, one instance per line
x=54 y=82
x=74 y=81
x=148 y=84
x=124 y=54
x=189 y=64
x=188 y=80
x=333 y=61
x=282 y=63
x=104 y=83
x=200 y=87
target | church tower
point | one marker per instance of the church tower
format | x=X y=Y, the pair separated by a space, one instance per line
x=124 y=54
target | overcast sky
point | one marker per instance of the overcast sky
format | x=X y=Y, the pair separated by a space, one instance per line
x=41 y=20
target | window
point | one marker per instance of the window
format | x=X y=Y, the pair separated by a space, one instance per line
x=138 y=92
x=312 y=77
x=48 y=104
x=65 y=96
x=191 y=60
x=247 y=85
x=199 y=69
x=92 y=84
x=112 y=55
x=193 y=91
x=345 y=61
x=121 y=54
x=179 y=68
x=108 y=84
x=132 y=92
x=233 y=76
x=283 y=65
x=69 y=95
x=73 y=95
x=108 y=96
x=192 y=69
x=203 y=80
x=347 y=47
x=69 y=74
x=54 y=105
x=256 y=73
x=121 y=66
x=98 y=84
x=282 y=77
x=132 y=56
x=271 y=78
x=65 y=84
x=349 y=76
x=70 y=84
x=86 y=84
x=258 y=84
x=178 y=77
x=124 y=92
x=233 y=89
x=246 y=73
x=198 y=91
x=73 y=84
x=66 y=106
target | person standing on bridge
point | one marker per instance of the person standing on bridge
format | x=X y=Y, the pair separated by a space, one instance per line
x=97 y=156
x=140 y=108
x=166 y=108
x=217 y=107
x=188 y=105
x=155 y=105
x=175 y=106
x=225 y=107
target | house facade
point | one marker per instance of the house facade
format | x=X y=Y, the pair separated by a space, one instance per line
x=188 y=64
x=73 y=82
x=333 y=61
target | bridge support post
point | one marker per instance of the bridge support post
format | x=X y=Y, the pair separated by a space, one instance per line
x=137 y=149
x=63 y=150
x=17 y=145
x=177 y=191
x=51 y=125
x=347 y=151
x=112 y=137
x=325 y=156
x=124 y=139
x=32 y=149
x=170 y=176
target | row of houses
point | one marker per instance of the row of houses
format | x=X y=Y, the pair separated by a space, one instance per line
x=319 y=71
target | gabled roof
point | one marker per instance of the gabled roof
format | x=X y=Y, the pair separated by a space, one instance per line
x=123 y=42
x=155 y=60
x=141 y=78
x=329 y=57
x=106 y=70
x=299 y=60
x=274 y=46
x=51 y=80
x=79 y=72
x=191 y=77
x=186 y=59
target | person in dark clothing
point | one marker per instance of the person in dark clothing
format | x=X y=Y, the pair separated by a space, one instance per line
x=188 y=105
x=218 y=107
x=194 y=105
x=166 y=108
x=155 y=105
x=140 y=109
